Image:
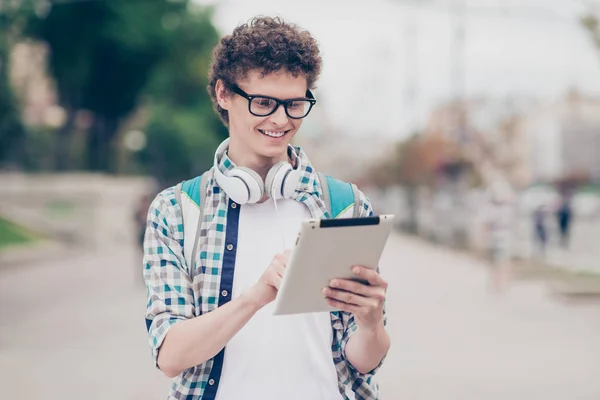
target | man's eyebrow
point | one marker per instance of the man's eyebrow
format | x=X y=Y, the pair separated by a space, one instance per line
x=260 y=93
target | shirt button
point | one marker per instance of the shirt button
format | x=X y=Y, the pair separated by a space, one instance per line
x=233 y=205
x=211 y=382
x=224 y=293
x=229 y=247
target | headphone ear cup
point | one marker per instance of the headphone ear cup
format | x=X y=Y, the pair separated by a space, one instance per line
x=252 y=181
x=234 y=186
x=276 y=178
x=291 y=183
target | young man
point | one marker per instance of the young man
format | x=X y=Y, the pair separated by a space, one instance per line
x=210 y=323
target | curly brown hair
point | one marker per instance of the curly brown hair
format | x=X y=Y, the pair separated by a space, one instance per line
x=265 y=44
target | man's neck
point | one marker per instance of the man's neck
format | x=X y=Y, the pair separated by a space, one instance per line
x=258 y=164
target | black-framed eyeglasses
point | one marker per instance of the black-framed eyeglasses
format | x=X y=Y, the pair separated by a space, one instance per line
x=263 y=106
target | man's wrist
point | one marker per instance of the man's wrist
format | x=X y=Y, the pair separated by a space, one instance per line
x=374 y=330
x=367 y=347
x=249 y=299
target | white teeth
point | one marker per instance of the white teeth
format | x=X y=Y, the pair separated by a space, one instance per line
x=273 y=134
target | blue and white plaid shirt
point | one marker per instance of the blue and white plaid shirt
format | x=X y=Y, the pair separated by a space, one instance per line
x=177 y=291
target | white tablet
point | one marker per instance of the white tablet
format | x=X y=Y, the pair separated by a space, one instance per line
x=328 y=249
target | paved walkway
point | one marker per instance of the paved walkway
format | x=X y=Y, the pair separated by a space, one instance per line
x=452 y=340
x=74 y=329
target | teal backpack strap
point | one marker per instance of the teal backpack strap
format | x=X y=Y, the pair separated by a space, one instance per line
x=356 y=210
x=195 y=189
x=203 y=185
x=338 y=196
x=178 y=198
x=325 y=190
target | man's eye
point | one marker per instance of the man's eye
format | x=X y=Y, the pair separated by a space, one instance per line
x=265 y=103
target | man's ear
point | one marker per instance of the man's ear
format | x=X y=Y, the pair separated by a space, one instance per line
x=223 y=95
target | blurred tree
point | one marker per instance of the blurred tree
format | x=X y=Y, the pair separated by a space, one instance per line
x=13 y=16
x=101 y=54
x=592 y=24
x=108 y=57
x=418 y=161
x=415 y=162
x=183 y=130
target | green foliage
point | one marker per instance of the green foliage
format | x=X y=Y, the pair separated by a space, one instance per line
x=101 y=55
x=12 y=133
x=184 y=130
x=112 y=57
x=11 y=129
x=182 y=75
x=179 y=146
x=38 y=154
x=11 y=234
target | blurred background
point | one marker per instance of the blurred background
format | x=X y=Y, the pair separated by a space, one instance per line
x=475 y=122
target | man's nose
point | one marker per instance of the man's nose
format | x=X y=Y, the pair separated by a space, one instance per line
x=279 y=117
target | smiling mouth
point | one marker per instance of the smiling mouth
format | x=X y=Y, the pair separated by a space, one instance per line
x=274 y=134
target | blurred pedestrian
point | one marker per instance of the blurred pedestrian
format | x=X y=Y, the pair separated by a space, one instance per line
x=540 y=230
x=564 y=214
x=500 y=220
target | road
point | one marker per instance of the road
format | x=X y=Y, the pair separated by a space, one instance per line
x=453 y=340
x=74 y=329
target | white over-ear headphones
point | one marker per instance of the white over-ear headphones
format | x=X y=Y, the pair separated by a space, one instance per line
x=244 y=185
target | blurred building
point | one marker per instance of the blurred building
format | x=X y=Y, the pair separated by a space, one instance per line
x=525 y=140
x=565 y=138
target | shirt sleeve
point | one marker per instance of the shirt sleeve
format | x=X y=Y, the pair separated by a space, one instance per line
x=350 y=326
x=170 y=296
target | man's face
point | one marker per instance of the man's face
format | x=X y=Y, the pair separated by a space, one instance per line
x=263 y=138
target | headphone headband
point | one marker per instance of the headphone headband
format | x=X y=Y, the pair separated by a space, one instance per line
x=244 y=185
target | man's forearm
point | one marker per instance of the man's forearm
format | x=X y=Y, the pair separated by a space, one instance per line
x=192 y=342
x=366 y=348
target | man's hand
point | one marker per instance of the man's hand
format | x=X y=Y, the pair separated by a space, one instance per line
x=265 y=290
x=364 y=301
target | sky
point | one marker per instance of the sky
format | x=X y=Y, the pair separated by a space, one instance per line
x=388 y=63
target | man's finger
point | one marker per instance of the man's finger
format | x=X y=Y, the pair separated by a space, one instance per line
x=282 y=258
x=279 y=269
x=371 y=291
x=368 y=274
x=347 y=297
x=277 y=282
x=340 y=305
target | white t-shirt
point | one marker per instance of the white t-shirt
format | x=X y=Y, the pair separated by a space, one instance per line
x=275 y=357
